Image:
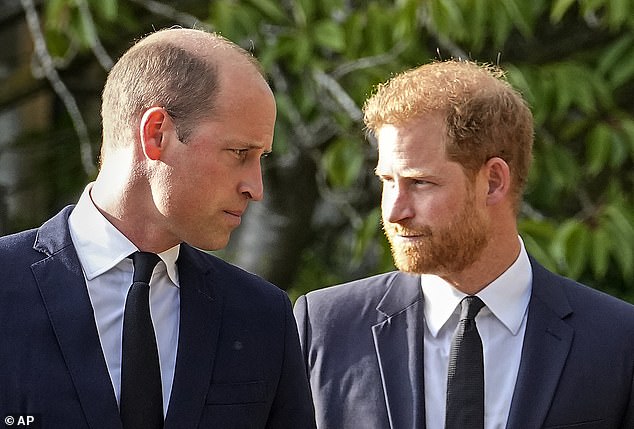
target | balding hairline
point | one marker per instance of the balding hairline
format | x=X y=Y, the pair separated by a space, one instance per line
x=183 y=38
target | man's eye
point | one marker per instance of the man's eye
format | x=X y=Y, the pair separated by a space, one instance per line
x=240 y=153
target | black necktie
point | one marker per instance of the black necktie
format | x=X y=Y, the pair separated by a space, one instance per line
x=141 y=402
x=465 y=380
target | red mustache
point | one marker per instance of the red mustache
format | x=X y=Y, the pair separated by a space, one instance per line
x=396 y=229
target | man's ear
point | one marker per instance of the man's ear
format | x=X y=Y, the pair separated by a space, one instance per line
x=155 y=122
x=498 y=176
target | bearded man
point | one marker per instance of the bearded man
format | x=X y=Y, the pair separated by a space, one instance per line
x=471 y=332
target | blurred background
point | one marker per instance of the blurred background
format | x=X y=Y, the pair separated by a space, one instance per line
x=319 y=223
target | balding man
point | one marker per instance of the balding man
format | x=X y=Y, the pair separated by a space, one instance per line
x=87 y=340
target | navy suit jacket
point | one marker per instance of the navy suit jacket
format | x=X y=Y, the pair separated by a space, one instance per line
x=238 y=362
x=363 y=345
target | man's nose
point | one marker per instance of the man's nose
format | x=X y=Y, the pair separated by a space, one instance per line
x=252 y=187
x=397 y=204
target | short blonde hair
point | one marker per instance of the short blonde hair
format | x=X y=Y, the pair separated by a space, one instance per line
x=485 y=117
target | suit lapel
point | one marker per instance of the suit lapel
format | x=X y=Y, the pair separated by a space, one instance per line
x=399 y=347
x=200 y=317
x=61 y=283
x=546 y=346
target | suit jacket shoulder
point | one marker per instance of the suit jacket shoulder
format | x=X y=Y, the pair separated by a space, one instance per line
x=577 y=365
x=583 y=307
x=227 y=276
x=238 y=351
x=361 y=342
x=16 y=250
x=238 y=361
x=390 y=292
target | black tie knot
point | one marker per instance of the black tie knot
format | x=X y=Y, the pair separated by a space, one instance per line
x=470 y=307
x=144 y=263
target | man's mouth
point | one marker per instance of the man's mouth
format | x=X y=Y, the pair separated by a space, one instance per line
x=237 y=213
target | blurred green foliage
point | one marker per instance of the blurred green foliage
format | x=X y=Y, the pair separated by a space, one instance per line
x=572 y=59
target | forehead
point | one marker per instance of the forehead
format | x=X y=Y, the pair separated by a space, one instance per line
x=244 y=115
x=419 y=141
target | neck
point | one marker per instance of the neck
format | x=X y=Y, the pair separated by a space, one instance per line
x=124 y=198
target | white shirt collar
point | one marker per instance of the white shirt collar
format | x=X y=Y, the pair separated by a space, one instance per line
x=100 y=246
x=506 y=297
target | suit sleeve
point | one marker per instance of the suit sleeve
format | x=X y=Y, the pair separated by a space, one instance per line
x=292 y=407
x=301 y=317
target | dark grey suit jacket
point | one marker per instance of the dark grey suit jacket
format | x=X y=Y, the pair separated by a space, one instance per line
x=238 y=361
x=363 y=346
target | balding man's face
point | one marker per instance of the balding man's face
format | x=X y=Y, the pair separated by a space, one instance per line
x=205 y=184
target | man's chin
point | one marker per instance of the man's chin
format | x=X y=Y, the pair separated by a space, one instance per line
x=211 y=244
x=409 y=261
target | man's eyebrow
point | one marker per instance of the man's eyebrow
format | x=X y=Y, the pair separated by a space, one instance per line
x=406 y=173
x=251 y=146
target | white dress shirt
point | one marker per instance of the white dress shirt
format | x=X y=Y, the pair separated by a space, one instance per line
x=103 y=253
x=501 y=325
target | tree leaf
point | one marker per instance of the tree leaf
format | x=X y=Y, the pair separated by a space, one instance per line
x=342 y=162
x=618 y=12
x=611 y=55
x=303 y=12
x=330 y=35
x=475 y=21
x=516 y=77
x=300 y=50
x=598 y=147
x=270 y=10
x=619 y=218
x=566 y=78
x=620 y=150
x=560 y=240
x=578 y=250
x=559 y=9
x=600 y=255
x=379 y=24
x=627 y=127
x=537 y=237
x=623 y=71
x=56 y=14
x=500 y=25
x=367 y=233
x=571 y=245
x=563 y=169
x=354 y=27
x=544 y=88
x=620 y=230
x=107 y=9
x=518 y=16
x=447 y=18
